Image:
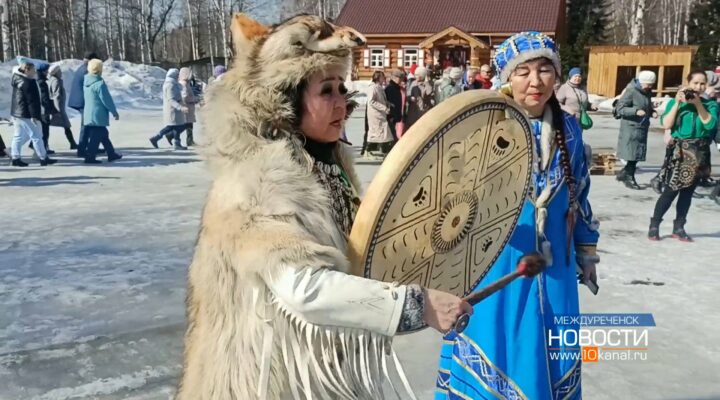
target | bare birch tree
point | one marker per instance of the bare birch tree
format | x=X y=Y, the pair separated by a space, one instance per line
x=7 y=48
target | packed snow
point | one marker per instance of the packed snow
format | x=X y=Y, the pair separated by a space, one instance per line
x=93 y=263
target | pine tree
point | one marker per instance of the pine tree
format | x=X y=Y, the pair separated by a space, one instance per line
x=588 y=21
x=703 y=31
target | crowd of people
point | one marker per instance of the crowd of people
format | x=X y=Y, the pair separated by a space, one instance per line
x=690 y=121
x=39 y=102
x=394 y=106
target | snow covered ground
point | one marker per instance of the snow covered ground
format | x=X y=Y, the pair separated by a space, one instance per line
x=93 y=262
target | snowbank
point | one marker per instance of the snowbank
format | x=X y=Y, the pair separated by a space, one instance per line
x=133 y=86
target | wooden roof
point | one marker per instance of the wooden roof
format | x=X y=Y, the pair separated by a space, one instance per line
x=452 y=32
x=431 y=16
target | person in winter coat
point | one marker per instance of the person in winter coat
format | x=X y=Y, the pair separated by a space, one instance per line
x=26 y=112
x=710 y=94
x=380 y=137
x=189 y=99
x=635 y=109
x=173 y=110
x=572 y=96
x=98 y=105
x=76 y=100
x=48 y=107
x=691 y=120
x=395 y=96
x=484 y=77
x=439 y=81
x=218 y=73
x=450 y=85
x=58 y=97
x=421 y=97
x=472 y=83
x=185 y=79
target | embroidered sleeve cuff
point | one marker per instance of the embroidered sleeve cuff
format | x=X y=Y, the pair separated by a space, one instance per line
x=586 y=254
x=412 y=314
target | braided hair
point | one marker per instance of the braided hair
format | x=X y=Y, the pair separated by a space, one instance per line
x=565 y=164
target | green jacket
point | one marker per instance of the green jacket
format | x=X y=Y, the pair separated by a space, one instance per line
x=688 y=124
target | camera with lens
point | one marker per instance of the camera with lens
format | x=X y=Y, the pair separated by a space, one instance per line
x=689 y=94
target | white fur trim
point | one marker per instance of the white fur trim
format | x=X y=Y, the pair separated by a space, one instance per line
x=527 y=56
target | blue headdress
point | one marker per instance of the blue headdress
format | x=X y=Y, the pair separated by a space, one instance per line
x=523 y=47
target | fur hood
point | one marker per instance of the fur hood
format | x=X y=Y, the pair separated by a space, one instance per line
x=248 y=119
x=256 y=95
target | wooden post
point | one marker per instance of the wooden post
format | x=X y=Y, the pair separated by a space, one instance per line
x=661 y=81
x=474 y=57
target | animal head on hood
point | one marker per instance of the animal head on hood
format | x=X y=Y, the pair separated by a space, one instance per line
x=283 y=55
x=258 y=97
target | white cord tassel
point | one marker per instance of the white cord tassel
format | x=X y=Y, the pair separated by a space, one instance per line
x=547 y=146
x=547 y=138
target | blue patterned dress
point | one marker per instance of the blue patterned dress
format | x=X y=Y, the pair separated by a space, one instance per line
x=504 y=352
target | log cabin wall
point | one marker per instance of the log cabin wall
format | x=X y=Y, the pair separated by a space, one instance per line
x=611 y=68
x=470 y=28
x=390 y=44
x=366 y=64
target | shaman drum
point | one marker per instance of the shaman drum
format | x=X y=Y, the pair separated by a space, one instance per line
x=448 y=196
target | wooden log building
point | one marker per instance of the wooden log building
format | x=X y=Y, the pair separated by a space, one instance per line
x=448 y=33
x=611 y=68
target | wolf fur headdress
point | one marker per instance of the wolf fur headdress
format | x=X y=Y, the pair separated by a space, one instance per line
x=270 y=64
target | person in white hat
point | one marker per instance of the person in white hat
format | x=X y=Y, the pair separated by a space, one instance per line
x=421 y=97
x=635 y=108
x=450 y=85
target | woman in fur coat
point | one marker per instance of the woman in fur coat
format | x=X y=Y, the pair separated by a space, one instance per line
x=272 y=312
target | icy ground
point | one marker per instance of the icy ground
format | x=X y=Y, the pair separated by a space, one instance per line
x=93 y=263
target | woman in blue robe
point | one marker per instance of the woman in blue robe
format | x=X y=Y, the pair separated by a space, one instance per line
x=505 y=352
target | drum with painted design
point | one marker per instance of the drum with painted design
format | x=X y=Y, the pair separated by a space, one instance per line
x=447 y=198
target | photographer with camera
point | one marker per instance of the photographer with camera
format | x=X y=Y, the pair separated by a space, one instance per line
x=691 y=120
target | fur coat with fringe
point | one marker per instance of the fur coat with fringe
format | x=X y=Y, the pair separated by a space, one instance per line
x=250 y=334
